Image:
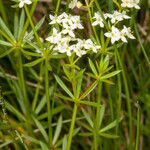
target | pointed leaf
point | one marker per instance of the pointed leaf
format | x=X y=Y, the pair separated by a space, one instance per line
x=57 y=130
x=93 y=67
x=41 y=128
x=64 y=87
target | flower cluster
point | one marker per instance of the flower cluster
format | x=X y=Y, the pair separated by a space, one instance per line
x=65 y=40
x=130 y=4
x=23 y=2
x=116 y=34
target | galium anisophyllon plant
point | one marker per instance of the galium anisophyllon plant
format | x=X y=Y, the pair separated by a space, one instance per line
x=64 y=83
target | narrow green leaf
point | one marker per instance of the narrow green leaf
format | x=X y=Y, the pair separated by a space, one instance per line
x=41 y=128
x=21 y=23
x=110 y=126
x=57 y=130
x=14 y=111
x=64 y=87
x=5 y=43
x=79 y=82
x=89 y=89
x=87 y=117
x=33 y=63
x=6 y=52
x=43 y=146
x=110 y=75
x=7 y=31
x=93 y=67
x=29 y=138
x=110 y=136
x=64 y=145
x=102 y=111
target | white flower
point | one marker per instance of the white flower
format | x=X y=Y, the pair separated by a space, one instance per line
x=117 y=16
x=73 y=4
x=98 y=20
x=127 y=32
x=55 y=37
x=68 y=30
x=95 y=47
x=114 y=34
x=55 y=19
x=130 y=4
x=77 y=23
x=22 y=2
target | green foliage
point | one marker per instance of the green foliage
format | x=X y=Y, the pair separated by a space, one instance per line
x=51 y=101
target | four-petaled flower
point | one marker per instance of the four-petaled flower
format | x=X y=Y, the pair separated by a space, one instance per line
x=23 y=2
x=130 y=3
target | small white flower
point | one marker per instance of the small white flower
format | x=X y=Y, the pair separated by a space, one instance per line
x=114 y=34
x=55 y=37
x=95 y=47
x=77 y=23
x=127 y=32
x=73 y=4
x=22 y=2
x=130 y=4
x=55 y=19
x=98 y=20
x=117 y=16
x=68 y=30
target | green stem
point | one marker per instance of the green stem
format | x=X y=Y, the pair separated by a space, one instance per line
x=57 y=6
x=37 y=89
x=33 y=27
x=48 y=102
x=27 y=22
x=138 y=129
x=24 y=92
x=2 y=10
x=128 y=101
x=72 y=126
x=97 y=122
x=90 y=15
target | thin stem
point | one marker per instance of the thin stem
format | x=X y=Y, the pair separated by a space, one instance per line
x=72 y=126
x=97 y=122
x=57 y=6
x=27 y=22
x=138 y=129
x=90 y=15
x=128 y=101
x=48 y=102
x=33 y=27
x=37 y=89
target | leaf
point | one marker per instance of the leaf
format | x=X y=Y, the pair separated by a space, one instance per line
x=42 y=102
x=110 y=75
x=102 y=110
x=110 y=126
x=88 y=90
x=43 y=146
x=64 y=87
x=33 y=63
x=29 y=138
x=93 y=67
x=6 y=52
x=5 y=43
x=87 y=117
x=64 y=145
x=79 y=82
x=21 y=23
x=110 y=136
x=7 y=31
x=14 y=111
x=41 y=128
x=89 y=103
x=57 y=130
